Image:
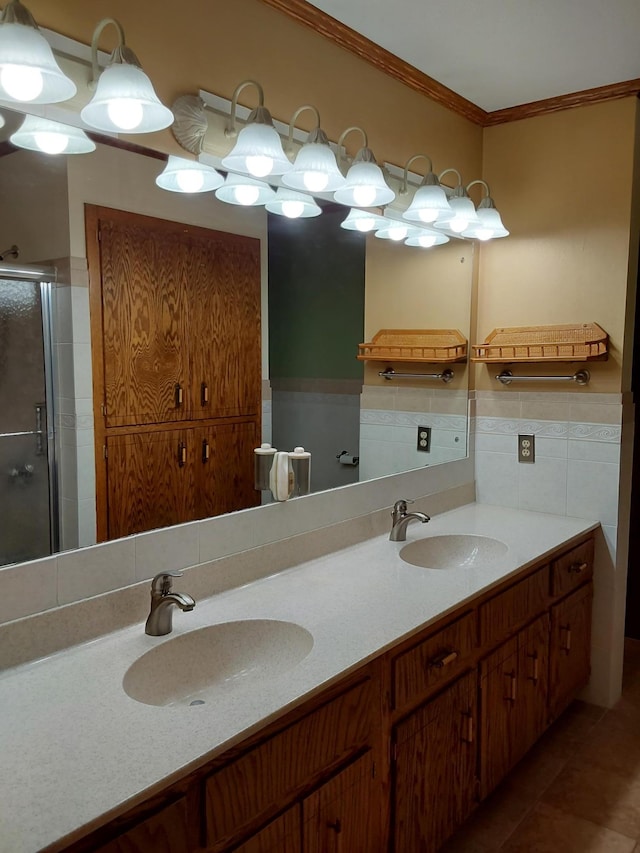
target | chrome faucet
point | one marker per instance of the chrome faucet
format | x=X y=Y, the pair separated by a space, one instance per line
x=163 y=601
x=400 y=520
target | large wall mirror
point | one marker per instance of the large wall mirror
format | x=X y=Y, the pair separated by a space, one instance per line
x=324 y=291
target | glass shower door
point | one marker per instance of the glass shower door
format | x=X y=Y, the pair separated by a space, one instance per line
x=26 y=438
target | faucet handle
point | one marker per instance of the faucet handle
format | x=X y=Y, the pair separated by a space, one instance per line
x=400 y=507
x=162 y=582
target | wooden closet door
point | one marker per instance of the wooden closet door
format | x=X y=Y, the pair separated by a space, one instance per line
x=150 y=480
x=143 y=270
x=533 y=683
x=225 y=468
x=224 y=293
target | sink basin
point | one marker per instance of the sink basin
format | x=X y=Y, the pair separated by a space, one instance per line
x=202 y=664
x=453 y=551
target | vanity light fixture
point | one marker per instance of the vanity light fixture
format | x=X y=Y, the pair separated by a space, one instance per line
x=258 y=151
x=489 y=225
x=51 y=137
x=124 y=99
x=462 y=214
x=188 y=176
x=425 y=239
x=365 y=185
x=396 y=230
x=248 y=192
x=29 y=72
x=363 y=221
x=430 y=200
x=293 y=205
x=315 y=169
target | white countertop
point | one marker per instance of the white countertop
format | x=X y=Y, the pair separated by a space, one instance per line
x=76 y=750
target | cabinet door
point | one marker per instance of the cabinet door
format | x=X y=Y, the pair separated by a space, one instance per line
x=498 y=714
x=533 y=681
x=150 y=481
x=435 y=764
x=144 y=319
x=224 y=465
x=224 y=296
x=165 y=832
x=343 y=816
x=570 y=648
x=280 y=836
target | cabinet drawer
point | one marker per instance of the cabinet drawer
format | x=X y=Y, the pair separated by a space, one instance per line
x=433 y=660
x=265 y=779
x=572 y=569
x=520 y=602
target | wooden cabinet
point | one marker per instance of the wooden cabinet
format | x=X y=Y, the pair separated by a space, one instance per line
x=435 y=769
x=168 y=831
x=176 y=342
x=283 y=835
x=570 y=649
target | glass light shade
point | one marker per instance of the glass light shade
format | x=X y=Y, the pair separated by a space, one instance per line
x=124 y=101
x=51 y=137
x=245 y=191
x=258 y=152
x=314 y=170
x=424 y=239
x=395 y=230
x=363 y=221
x=292 y=204
x=364 y=186
x=188 y=176
x=488 y=227
x=429 y=203
x=29 y=72
x=463 y=215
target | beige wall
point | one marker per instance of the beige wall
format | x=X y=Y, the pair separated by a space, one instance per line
x=564 y=184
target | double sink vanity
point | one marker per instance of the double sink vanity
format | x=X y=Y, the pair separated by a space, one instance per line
x=364 y=701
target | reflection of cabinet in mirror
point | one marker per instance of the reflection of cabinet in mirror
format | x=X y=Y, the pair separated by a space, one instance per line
x=175 y=314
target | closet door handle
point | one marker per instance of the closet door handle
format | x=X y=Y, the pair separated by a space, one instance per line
x=182 y=453
x=204 y=394
x=179 y=395
x=536 y=667
x=567 y=646
x=206 y=450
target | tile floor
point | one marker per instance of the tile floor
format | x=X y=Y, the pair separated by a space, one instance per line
x=577 y=791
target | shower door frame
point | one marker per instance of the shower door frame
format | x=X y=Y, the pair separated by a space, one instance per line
x=46 y=277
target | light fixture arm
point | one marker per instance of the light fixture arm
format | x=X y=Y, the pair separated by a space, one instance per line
x=314 y=135
x=404 y=188
x=486 y=201
x=344 y=135
x=230 y=130
x=121 y=53
x=458 y=191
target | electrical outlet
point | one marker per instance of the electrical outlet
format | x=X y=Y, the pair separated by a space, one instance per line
x=424 y=439
x=526 y=448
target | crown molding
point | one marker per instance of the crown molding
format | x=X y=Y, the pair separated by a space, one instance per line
x=342 y=35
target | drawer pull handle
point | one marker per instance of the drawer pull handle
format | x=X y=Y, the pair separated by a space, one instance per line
x=577 y=568
x=535 y=674
x=444 y=659
x=178 y=395
x=336 y=825
x=182 y=453
x=204 y=393
x=467 y=735
x=206 y=450
x=511 y=692
x=567 y=644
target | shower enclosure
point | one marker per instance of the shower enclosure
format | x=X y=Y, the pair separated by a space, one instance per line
x=28 y=493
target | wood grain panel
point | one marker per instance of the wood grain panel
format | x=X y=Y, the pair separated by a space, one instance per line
x=570 y=650
x=146 y=486
x=516 y=605
x=224 y=480
x=165 y=832
x=342 y=815
x=264 y=780
x=283 y=835
x=434 y=660
x=224 y=284
x=434 y=783
x=533 y=685
x=572 y=569
x=498 y=697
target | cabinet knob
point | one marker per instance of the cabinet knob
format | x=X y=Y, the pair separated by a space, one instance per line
x=443 y=659
x=182 y=453
x=512 y=686
x=179 y=395
x=206 y=450
x=567 y=642
x=336 y=825
x=577 y=568
x=535 y=669
x=204 y=394
x=468 y=727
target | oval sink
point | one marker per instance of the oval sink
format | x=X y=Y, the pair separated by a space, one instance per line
x=231 y=656
x=453 y=551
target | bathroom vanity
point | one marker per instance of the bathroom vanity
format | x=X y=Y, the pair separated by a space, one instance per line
x=420 y=690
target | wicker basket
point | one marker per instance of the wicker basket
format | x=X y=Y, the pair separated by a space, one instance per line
x=432 y=345
x=583 y=342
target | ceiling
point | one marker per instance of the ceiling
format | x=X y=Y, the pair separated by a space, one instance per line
x=502 y=53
